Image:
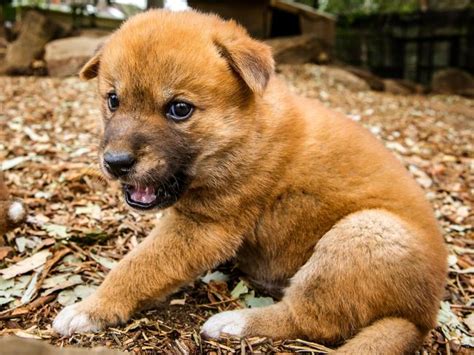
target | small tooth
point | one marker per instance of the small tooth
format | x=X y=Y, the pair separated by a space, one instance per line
x=147 y=190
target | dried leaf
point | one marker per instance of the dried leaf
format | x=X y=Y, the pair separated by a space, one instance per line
x=452 y=260
x=12 y=163
x=4 y=252
x=23 y=334
x=92 y=210
x=469 y=321
x=178 y=302
x=34 y=136
x=26 y=298
x=26 y=265
x=20 y=244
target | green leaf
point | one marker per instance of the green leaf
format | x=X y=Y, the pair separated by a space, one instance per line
x=67 y=297
x=451 y=326
x=239 y=290
x=56 y=230
x=215 y=276
x=55 y=280
x=84 y=291
x=6 y=284
x=71 y=281
x=21 y=282
x=255 y=302
x=105 y=262
x=5 y=300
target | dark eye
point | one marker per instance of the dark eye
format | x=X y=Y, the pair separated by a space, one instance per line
x=179 y=111
x=113 y=101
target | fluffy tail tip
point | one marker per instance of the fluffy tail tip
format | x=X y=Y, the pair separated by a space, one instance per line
x=17 y=212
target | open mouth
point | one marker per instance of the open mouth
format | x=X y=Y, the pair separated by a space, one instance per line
x=151 y=197
x=148 y=197
x=143 y=198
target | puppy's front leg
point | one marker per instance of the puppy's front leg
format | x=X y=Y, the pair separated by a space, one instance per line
x=176 y=252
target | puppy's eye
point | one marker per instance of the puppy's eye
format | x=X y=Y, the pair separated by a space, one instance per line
x=113 y=101
x=179 y=111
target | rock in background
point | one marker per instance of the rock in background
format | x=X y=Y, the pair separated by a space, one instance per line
x=453 y=81
x=371 y=79
x=346 y=78
x=299 y=50
x=36 y=30
x=402 y=87
x=65 y=57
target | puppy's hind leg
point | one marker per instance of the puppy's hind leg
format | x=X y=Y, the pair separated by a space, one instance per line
x=369 y=273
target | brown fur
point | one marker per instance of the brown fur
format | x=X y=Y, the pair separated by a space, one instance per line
x=6 y=221
x=310 y=205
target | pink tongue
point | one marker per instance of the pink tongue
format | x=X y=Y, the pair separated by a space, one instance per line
x=144 y=195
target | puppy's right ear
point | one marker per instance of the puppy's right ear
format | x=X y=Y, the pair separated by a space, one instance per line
x=91 y=69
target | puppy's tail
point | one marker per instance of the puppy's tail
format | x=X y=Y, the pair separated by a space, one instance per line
x=12 y=214
x=387 y=336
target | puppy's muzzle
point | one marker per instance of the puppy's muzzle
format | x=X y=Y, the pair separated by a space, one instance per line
x=119 y=164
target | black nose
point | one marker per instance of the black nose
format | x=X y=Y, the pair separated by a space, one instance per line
x=119 y=163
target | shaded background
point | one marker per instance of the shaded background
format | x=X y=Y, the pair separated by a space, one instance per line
x=409 y=40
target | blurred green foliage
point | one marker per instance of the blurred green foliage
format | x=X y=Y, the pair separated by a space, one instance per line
x=354 y=7
x=313 y=3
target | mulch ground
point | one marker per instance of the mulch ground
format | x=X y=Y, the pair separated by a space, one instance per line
x=78 y=226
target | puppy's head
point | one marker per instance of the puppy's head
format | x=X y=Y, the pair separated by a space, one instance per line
x=178 y=91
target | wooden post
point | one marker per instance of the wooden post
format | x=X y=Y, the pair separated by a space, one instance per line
x=424 y=5
x=154 y=4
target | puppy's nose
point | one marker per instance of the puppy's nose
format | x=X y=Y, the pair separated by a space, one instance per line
x=119 y=163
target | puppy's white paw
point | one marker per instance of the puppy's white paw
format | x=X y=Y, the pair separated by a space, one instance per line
x=231 y=322
x=72 y=320
x=16 y=212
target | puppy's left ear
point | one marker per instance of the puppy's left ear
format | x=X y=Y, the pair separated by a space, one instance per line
x=91 y=69
x=250 y=59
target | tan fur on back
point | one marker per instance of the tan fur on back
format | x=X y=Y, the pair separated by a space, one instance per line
x=311 y=206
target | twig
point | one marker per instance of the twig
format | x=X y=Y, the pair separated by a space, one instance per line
x=49 y=265
x=20 y=311
x=316 y=346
